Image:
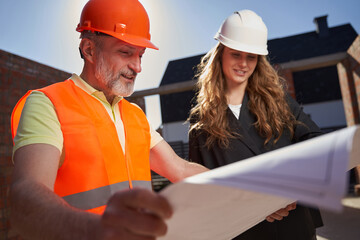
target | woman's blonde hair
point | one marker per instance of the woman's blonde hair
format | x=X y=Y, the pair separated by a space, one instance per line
x=266 y=94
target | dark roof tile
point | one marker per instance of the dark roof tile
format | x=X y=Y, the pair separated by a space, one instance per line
x=310 y=45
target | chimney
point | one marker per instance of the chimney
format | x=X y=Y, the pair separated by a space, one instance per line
x=322 y=28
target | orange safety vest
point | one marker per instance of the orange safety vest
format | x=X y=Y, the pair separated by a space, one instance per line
x=95 y=166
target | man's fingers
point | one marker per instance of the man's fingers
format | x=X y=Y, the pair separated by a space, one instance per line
x=118 y=234
x=142 y=199
x=136 y=221
x=138 y=212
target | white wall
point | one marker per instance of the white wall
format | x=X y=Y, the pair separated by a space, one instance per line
x=327 y=114
x=176 y=131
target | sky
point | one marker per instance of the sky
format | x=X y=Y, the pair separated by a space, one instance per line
x=44 y=30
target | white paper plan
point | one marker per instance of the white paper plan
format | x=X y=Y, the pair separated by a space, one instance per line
x=224 y=202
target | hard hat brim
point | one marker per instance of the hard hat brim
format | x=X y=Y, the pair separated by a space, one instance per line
x=134 y=40
x=241 y=47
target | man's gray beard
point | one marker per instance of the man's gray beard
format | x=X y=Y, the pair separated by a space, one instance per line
x=112 y=80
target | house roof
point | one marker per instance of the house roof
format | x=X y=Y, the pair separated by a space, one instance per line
x=310 y=44
x=281 y=50
x=181 y=70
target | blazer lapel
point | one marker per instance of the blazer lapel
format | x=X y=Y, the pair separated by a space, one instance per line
x=244 y=126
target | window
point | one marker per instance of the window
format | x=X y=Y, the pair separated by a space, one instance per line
x=317 y=85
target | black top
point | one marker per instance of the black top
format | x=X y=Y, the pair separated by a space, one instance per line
x=301 y=222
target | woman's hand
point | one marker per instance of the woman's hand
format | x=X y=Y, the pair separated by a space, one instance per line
x=281 y=213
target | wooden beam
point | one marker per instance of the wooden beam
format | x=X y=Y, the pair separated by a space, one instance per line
x=166 y=89
x=315 y=62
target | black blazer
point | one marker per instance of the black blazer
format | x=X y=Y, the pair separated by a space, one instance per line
x=301 y=222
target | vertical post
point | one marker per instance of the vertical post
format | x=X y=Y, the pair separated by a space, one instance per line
x=349 y=77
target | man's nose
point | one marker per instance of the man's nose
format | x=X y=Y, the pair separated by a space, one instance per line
x=135 y=64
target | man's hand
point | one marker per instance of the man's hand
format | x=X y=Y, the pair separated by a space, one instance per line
x=135 y=214
x=281 y=213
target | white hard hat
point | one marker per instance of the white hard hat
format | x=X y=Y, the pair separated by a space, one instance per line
x=244 y=31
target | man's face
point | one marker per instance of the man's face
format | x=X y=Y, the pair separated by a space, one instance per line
x=116 y=67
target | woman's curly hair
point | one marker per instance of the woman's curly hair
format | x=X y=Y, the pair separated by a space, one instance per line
x=267 y=101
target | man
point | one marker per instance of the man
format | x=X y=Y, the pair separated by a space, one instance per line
x=82 y=153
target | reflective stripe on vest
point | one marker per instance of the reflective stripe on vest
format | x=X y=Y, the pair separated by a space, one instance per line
x=94 y=160
x=99 y=196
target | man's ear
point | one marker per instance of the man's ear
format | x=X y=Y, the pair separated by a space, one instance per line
x=87 y=49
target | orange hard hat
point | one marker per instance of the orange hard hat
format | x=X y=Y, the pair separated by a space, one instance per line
x=126 y=20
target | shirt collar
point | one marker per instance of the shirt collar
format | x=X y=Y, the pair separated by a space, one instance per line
x=81 y=83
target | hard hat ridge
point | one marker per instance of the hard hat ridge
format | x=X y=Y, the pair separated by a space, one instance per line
x=244 y=31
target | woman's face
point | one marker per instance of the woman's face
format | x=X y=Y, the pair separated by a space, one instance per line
x=237 y=66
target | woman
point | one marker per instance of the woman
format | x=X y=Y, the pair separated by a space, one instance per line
x=243 y=110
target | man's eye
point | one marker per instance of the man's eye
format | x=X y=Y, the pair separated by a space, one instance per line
x=124 y=52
